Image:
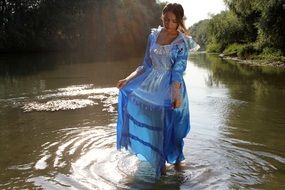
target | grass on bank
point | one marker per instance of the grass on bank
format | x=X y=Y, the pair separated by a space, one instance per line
x=250 y=51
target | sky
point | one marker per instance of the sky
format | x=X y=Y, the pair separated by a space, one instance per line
x=196 y=10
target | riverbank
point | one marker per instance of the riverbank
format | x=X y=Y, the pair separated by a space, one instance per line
x=255 y=62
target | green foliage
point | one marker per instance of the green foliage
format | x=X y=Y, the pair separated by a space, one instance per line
x=271 y=54
x=218 y=32
x=271 y=51
x=233 y=49
x=214 y=47
x=246 y=51
x=59 y=25
x=271 y=23
x=200 y=33
x=247 y=29
x=243 y=51
x=264 y=20
x=225 y=28
x=246 y=12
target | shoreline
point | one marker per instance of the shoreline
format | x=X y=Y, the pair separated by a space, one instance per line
x=255 y=62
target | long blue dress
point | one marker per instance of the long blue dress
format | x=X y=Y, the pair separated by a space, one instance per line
x=147 y=123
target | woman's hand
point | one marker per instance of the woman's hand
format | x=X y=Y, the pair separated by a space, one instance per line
x=175 y=93
x=177 y=103
x=121 y=83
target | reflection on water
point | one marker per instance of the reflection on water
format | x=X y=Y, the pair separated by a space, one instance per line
x=58 y=126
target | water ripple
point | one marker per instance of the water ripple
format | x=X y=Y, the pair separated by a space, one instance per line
x=93 y=159
x=56 y=105
x=68 y=98
x=84 y=156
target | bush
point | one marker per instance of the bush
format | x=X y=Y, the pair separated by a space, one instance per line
x=246 y=51
x=242 y=51
x=271 y=51
x=233 y=49
x=271 y=54
x=214 y=47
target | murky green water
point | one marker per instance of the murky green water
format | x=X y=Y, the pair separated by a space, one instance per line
x=58 y=118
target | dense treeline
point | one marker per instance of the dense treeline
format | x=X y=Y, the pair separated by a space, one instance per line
x=248 y=29
x=94 y=25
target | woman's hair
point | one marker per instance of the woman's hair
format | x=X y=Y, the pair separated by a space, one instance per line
x=178 y=11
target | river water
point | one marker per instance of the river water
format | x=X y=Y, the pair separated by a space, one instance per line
x=58 y=120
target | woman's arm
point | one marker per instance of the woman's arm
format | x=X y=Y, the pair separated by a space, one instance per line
x=121 y=83
x=140 y=69
x=177 y=75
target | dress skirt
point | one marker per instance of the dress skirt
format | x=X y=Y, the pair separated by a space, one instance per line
x=148 y=125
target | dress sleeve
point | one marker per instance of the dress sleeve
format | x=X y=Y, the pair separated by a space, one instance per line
x=146 y=61
x=179 y=65
x=192 y=45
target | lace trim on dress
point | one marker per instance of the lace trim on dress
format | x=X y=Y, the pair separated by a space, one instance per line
x=165 y=49
x=162 y=50
x=181 y=38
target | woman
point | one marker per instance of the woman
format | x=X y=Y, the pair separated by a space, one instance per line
x=153 y=112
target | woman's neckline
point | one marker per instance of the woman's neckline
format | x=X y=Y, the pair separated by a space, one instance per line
x=160 y=29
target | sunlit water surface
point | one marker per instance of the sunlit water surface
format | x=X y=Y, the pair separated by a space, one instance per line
x=58 y=127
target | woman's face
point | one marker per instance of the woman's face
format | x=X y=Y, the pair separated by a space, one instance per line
x=169 y=21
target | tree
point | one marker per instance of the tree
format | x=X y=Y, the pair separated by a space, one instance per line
x=247 y=14
x=225 y=28
x=199 y=32
x=264 y=20
x=60 y=25
x=271 y=24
